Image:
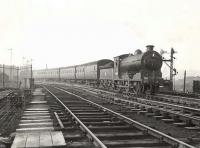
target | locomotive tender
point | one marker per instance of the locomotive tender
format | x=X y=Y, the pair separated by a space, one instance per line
x=138 y=72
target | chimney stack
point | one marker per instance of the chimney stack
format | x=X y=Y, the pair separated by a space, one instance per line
x=150 y=47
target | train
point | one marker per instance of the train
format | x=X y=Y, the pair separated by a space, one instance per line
x=137 y=73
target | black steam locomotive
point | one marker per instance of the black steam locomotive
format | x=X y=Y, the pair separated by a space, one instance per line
x=139 y=72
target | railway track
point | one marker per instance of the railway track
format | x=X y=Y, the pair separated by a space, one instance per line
x=102 y=126
x=187 y=102
x=179 y=100
x=171 y=124
x=182 y=94
x=162 y=108
x=174 y=99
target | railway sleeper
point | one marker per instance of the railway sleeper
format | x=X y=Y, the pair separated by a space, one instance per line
x=93 y=116
x=78 y=106
x=121 y=136
x=96 y=119
x=81 y=108
x=149 y=142
x=81 y=144
x=120 y=128
x=105 y=123
x=85 y=110
x=92 y=113
x=196 y=128
x=77 y=135
x=168 y=120
x=180 y=124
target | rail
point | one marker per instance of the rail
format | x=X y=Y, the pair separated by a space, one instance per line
x=169 y=105
x=90 y=134
x=194 y=119
x=181 y=107
x=145 y=102
x=185 y=101
x=59 y=121
x=175 y=142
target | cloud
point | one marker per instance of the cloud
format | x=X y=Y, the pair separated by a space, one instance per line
x=68 y=32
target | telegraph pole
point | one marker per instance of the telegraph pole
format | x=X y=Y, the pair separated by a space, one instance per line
x=17 y=77
x=59 y=75
x=184 y=81
x=10 y=62
x=31 y=74
x=3 y=77
x=31 y=81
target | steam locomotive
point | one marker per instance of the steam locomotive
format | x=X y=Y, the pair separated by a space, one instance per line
x=138 y=73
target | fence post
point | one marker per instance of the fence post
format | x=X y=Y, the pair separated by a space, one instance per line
x=17 y=68
x=3 y=77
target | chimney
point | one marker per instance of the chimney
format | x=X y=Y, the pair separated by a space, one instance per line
x=149 y=47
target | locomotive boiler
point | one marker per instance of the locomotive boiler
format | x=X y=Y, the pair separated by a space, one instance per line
x=131 y=64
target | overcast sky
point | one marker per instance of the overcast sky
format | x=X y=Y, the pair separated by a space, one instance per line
x=68 y=32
